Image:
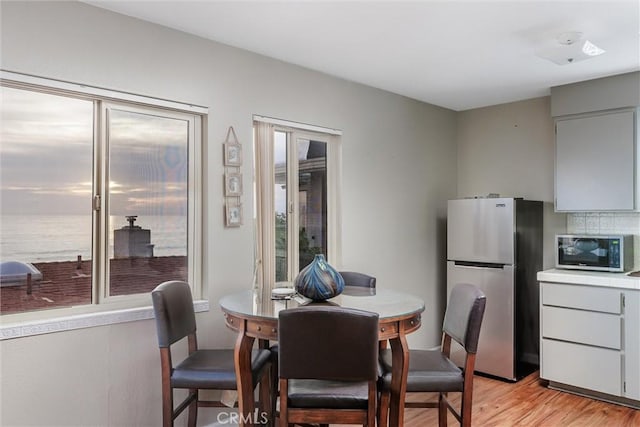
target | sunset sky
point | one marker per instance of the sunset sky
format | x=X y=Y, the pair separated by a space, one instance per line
x=46 y=158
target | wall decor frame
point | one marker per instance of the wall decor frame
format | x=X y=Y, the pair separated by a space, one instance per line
x=233 y=215
x=232 y=184
x=232 y=149
x=232 y=154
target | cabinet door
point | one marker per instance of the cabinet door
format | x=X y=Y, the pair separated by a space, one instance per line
x=595 y=161
x=632 y=344
x=592 y=368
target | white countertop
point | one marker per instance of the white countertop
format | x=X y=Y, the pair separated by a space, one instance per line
x=593 y=278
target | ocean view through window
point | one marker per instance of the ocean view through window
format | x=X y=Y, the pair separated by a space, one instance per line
x=22 y=236
x=95 y=199
x=147 y=175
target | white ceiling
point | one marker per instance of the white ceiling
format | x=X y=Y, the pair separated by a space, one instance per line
x=456 y=54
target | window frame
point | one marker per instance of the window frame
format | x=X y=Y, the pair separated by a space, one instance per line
x=136 y=305
x=193 y=219
x=264 y=198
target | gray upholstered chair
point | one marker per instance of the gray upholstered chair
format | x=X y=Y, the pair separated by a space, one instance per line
x=327 y=376
x=201 y=369
x=432 y=370
x=361 y=280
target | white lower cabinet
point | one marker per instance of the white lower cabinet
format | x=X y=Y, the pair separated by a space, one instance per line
x=590 y=340
x=584 y=366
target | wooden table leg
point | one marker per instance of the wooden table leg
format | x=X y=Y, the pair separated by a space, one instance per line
x=242 y=358
x=400 y=364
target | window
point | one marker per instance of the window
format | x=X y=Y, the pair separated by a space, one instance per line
x=296 y=198
x=98 y=198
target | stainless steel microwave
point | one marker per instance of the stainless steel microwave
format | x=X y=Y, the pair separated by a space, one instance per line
x=595 y=252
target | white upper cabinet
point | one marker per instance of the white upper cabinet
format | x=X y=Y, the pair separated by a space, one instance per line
x=596 y=162
x=597 y=154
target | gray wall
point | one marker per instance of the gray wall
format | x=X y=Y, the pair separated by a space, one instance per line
x=512 y=140
x=509 y=149
x=399 y=168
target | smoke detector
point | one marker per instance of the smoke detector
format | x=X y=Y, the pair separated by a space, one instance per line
x=570 y=48
x=569 y=38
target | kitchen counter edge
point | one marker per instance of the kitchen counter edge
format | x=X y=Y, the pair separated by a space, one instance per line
x=593 y=278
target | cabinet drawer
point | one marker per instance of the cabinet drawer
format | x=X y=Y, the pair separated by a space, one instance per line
x=592 y=368
x=582 y=297
x=586 y=327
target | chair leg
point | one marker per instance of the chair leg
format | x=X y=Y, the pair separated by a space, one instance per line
x=167 y=416
x=383 y=409
x=467 y=393
x=465 y=410
x=167 y=406
x=274 y=390
x=442 y=410
x=193 y=408
x=284 y=392
x=167 y=391
x=265 y=397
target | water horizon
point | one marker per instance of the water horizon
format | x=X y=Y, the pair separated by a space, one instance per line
x=55 y=238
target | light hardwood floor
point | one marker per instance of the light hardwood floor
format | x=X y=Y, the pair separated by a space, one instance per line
x=528 y=403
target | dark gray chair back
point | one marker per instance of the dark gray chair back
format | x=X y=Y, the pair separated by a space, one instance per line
x=352 y=278
x=173 y=308
x=328 y=343
x=463 y=317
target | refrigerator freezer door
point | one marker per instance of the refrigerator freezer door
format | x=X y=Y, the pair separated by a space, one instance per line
x=481 y=230
x=496 y=347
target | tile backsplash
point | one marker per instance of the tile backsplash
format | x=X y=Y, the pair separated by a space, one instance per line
x=608 y=223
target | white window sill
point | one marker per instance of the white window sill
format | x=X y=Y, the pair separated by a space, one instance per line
x=86 y=320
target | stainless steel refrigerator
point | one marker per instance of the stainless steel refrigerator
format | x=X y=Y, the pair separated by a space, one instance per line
x=496 y=244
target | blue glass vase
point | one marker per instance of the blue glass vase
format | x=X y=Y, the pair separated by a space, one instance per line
x=318 y=280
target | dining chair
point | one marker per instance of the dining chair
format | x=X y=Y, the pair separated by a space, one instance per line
x=362 y=280
x=432 y=370
x=201 y=369
x=351 y=278
x=328 y=365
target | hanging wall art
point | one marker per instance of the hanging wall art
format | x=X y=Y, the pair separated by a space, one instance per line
x=232 y=156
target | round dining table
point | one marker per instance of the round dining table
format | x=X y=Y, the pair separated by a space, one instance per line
x=254 y=316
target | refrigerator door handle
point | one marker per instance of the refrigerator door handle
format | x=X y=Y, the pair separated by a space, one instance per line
x=478 y=264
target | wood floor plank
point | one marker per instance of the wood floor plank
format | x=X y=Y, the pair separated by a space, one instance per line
x=530 y=403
